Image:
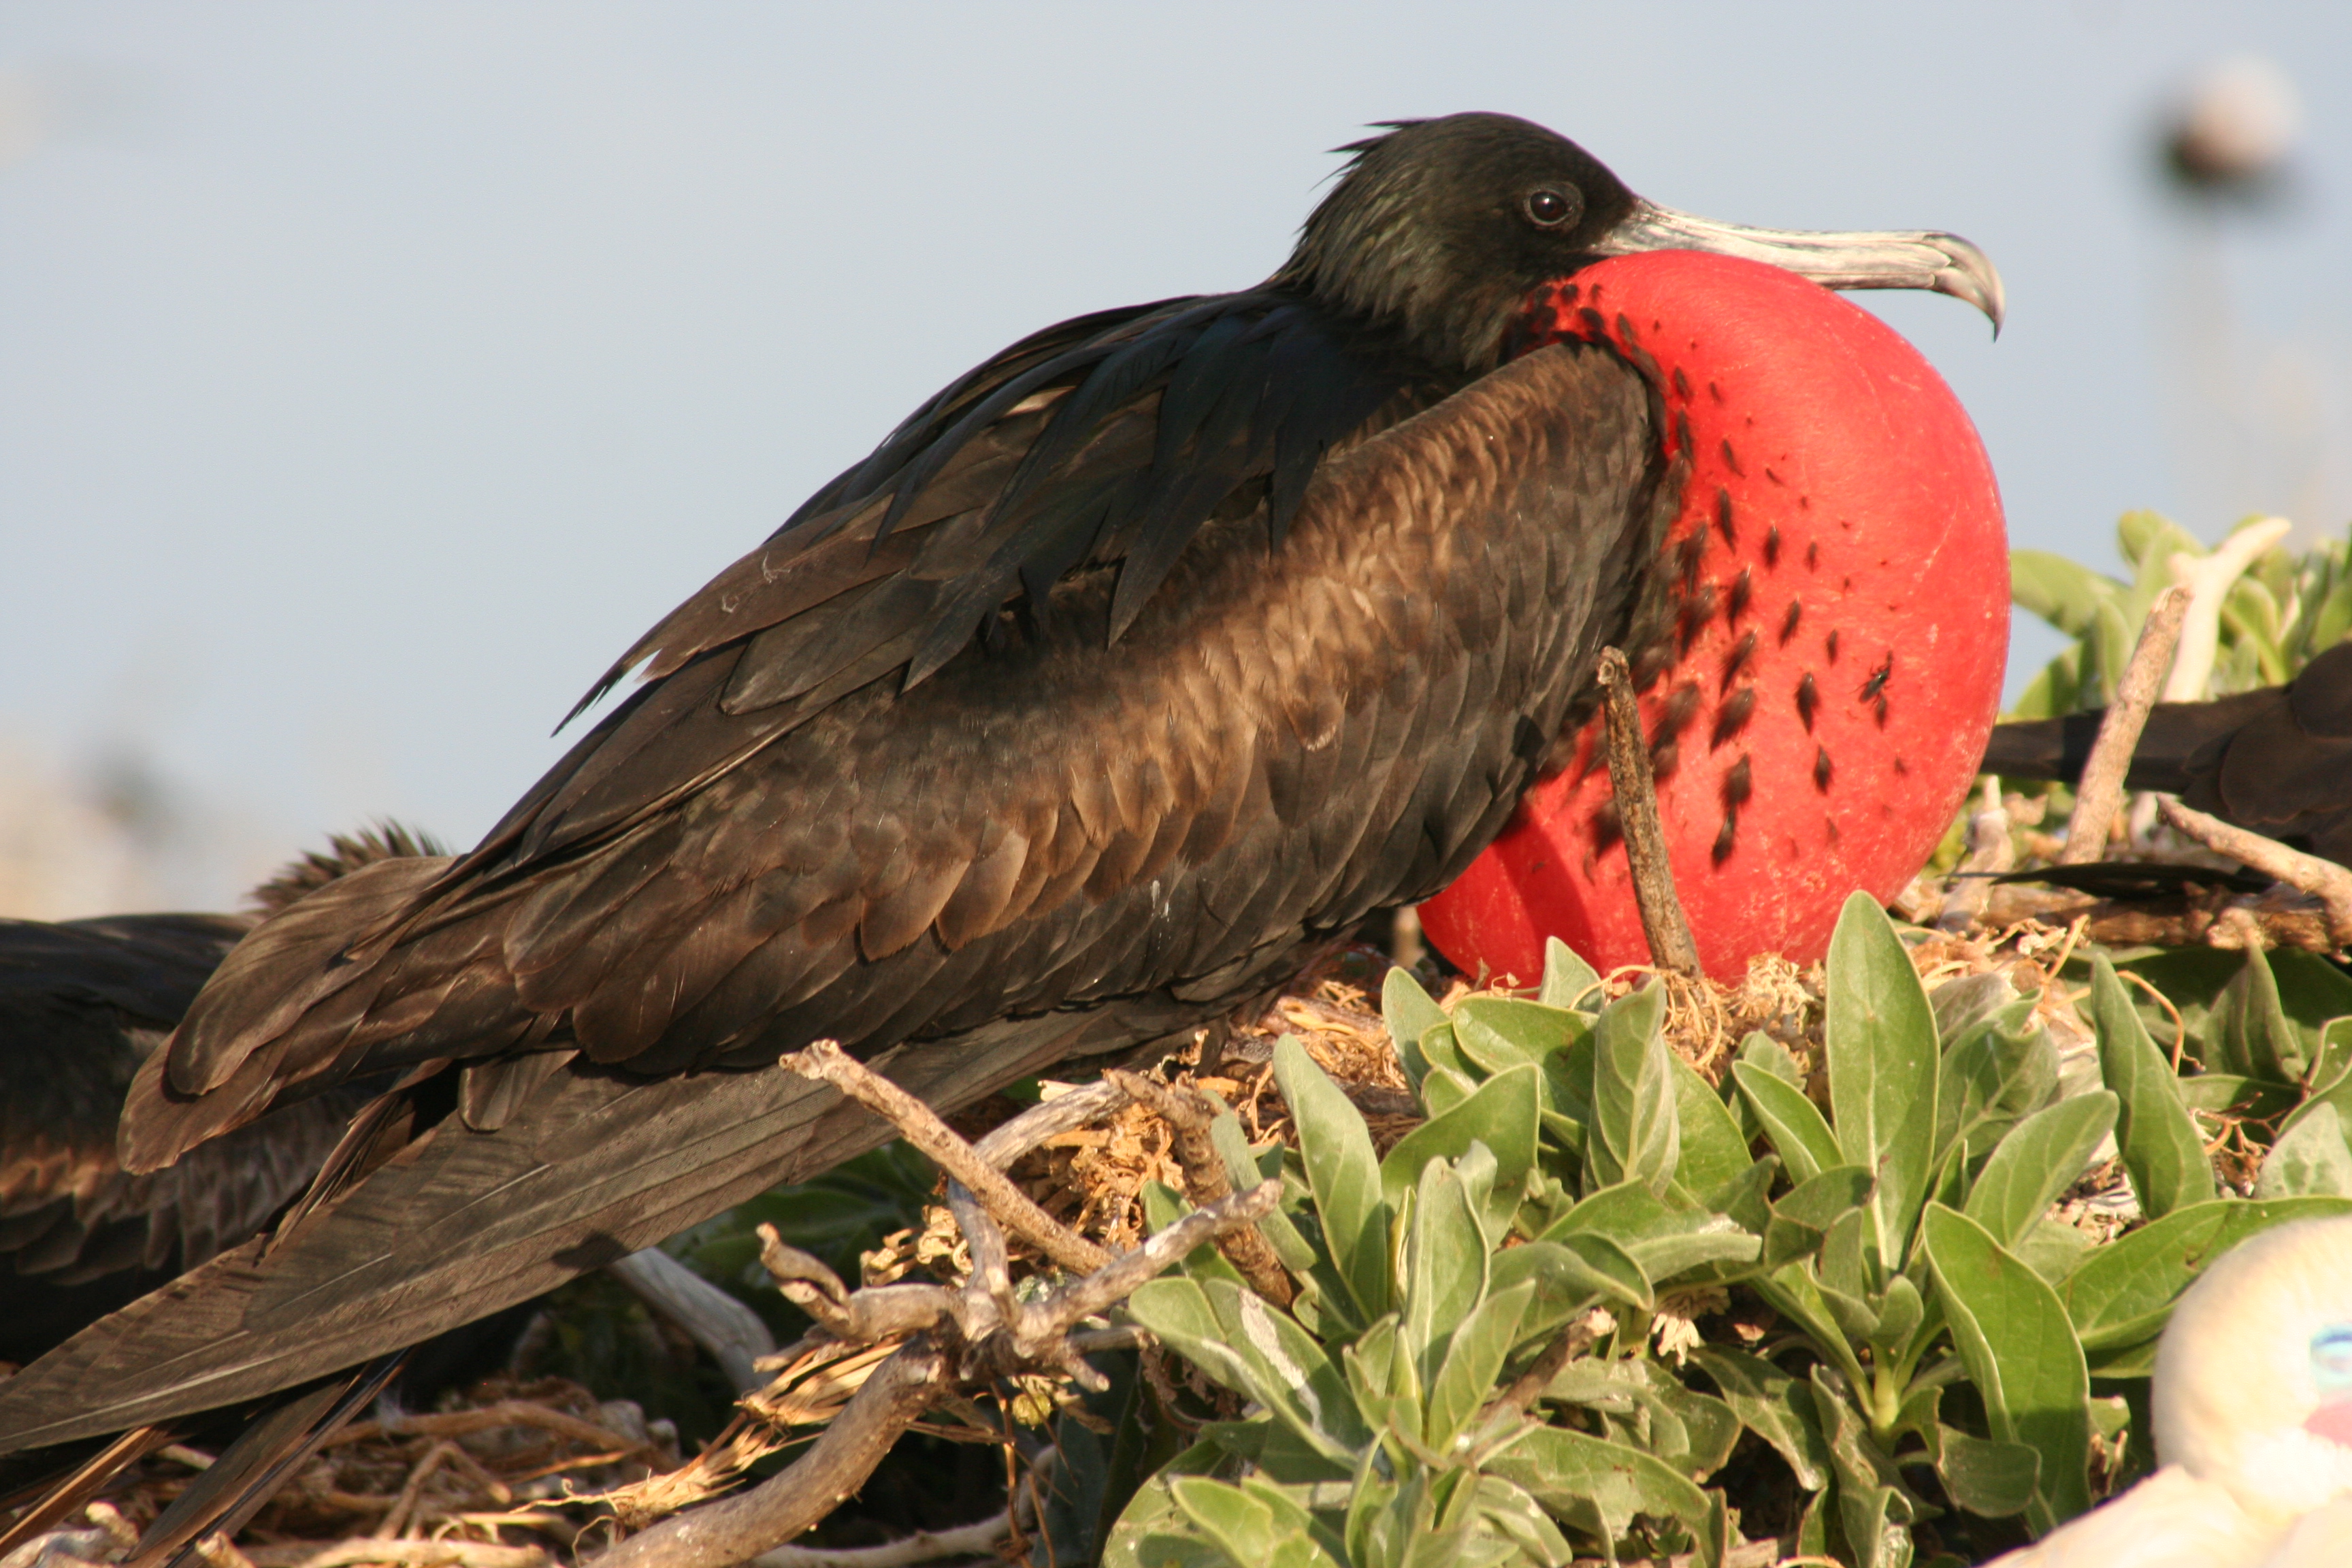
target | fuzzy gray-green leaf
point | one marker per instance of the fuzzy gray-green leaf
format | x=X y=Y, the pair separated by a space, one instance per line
x=2161 y=1147
x=1801 y=1135
x=1633 y=1133
x=2039 y=1159
x=2019 y=1347
x=1343 y=1172
x=1880 y=1038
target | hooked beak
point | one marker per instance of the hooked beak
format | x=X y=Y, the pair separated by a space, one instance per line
x=1901 y=259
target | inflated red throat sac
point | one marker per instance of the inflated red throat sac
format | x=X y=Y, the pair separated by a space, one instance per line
x=1841 y=583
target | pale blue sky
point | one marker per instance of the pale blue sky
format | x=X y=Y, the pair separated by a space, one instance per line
x=370 y=375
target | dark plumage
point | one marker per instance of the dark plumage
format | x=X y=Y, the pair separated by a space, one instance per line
x=1136 y=665
x=82 y=1004
x=2277 y=760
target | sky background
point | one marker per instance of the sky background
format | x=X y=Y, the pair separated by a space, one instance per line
x=369 y=376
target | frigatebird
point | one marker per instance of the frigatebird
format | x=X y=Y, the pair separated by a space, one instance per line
x=1135 y=666
x=2276 y=760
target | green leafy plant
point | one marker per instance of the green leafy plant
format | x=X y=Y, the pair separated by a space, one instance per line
x=1944 y=1343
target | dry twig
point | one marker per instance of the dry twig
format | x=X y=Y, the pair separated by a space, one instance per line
x=2102 y=773
x=1191 y=1115
x=2323 y=880
x=920 y=1125
x=1636 y=792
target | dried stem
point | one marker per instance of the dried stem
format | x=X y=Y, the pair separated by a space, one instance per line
x=920 y=1125
x=1190 y=1115
x=729 y=1330
x=977 y=1539
x=2102 y=786
x=2325 y=879
x=410 y=1553
x=732 y=1528
x=1637 y=789
x=1041 y=1122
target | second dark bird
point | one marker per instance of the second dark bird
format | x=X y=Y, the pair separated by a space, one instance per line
x=2276 y=760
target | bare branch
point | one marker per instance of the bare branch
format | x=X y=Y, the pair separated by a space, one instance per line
x=861 y=1317
x=1637 y=789
x=920 y=1125
x=2096 y=796
x=2325 y=879
x=978 y=1538
x=1041 y=1122
x=729 y=1331
x=730 y=1530
x=1055 y=1315
x=410 y=1553
x=1191 y=1114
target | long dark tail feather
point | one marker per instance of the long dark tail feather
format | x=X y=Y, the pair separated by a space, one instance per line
x=463 y=1224
x=250 y=1470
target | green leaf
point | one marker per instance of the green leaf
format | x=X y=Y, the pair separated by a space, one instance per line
x=2122 y=1293
x=1804 y=1214
x=1152 y=1529
x=1232 y=1335
x=2160 y=1145
x=2255 y=1037
x=1257 y=1527
x=2019 y=1344
x=1599 y=1484
x=1498 y=1033
x=1342 y=1172
x=1594 y=1265
x=1880 y=1038
x=1410 y=1013
x=1568 y=980
x=2061 y=592
x=1473 y=1357
x=1797 y=1296
x=1985 y=1475
x=1713 y=1152
x=2309 y=1158
x=1801 y=1135
x=1665 y=1240
x=1633 y=1133
x=1445 y=1263
x=1759 y=1393
x=1501 y=1114
x=1998 y=1070
x=1961 y=1003
x=1874 y=1508
x=2039 y=1159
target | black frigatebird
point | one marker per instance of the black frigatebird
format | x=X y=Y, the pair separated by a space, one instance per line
x=82 y=1004
x=2276 y=760
x=1134 y=667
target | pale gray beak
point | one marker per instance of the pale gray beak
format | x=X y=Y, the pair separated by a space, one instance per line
x=1896 y=259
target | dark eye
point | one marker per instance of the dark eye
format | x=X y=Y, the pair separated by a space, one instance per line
x=1547 y=209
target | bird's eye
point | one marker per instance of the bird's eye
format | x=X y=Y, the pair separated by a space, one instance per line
x=1549 y=208
x=2331 y=1359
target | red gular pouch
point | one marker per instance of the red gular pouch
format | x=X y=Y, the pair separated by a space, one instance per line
x=1819 y=699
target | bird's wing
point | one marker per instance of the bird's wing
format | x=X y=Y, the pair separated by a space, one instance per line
x=2288 y=772
x=1133 y=843
x=793 y=792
